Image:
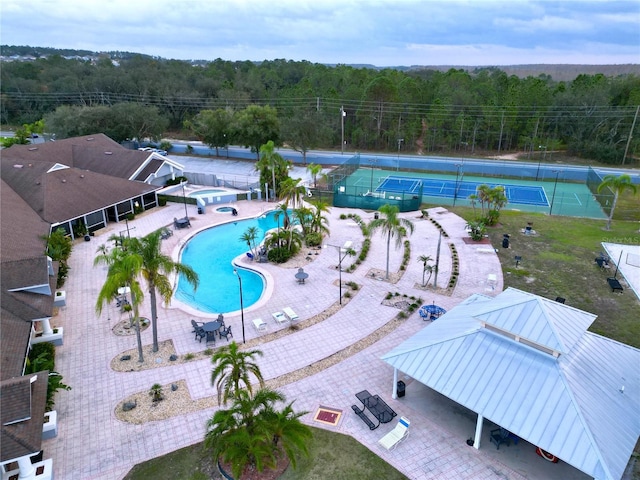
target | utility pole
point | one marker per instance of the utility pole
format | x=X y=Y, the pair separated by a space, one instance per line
x=626 y=150
x=342 y=115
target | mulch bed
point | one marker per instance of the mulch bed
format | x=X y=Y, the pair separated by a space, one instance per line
x=471 y=241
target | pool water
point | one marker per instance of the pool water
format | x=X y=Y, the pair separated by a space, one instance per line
x=210 y=253
x=206 y=192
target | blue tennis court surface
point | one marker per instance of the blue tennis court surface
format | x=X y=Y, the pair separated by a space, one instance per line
x=516 y=194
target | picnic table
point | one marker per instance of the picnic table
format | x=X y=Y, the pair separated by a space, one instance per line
x=378 y=407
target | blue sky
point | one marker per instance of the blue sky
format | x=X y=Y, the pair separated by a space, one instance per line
x=377 y=32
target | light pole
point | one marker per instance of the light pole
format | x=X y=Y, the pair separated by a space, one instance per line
x=241 y=305
x=540 y=147
x=400 y=140
x=555 y=184
x=455 y=192
x=342 y=115
x=342 y=254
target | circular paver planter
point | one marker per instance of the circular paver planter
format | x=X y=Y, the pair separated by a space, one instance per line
x=124 y=327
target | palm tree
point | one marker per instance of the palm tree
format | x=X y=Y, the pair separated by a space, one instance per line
x=250 y=236
x=124 y=271
x=315 y=170
x=320 y=222
x=617 y=184
x=292 y=190
x=156 y=269
x=252 y=432
x=425 y=259
x=289 y=433
x=392 y=225
x=273 y=164
x=232 y=368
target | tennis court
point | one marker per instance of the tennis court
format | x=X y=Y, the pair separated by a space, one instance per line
x=516 y=194
x=561 y=198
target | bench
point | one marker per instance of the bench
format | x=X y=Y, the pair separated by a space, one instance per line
x=614 y=284
x=364 y=417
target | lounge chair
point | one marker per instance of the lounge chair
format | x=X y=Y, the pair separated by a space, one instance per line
x=293 y=316
x=279 y=317
x=395 y=436
x=259 y=324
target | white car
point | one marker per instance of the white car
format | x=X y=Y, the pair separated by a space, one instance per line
x=154 y=150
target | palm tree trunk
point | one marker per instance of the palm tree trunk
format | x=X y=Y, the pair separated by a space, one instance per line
x=154 y=316
x=613 y=207
x=388 y=251
x=136 y=320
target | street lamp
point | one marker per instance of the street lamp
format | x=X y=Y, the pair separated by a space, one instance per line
x=455 y=192
x=540 y=147
x=241 y=305
x=555 y=184
x=342 y=115
x=400 y=140
x=342 y=253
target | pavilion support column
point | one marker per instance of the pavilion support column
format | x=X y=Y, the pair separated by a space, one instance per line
x=46 y=326
x=394 y=393
x=27 y=470
x=476 y=440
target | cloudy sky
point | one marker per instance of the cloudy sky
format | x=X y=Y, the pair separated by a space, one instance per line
x=377 y=32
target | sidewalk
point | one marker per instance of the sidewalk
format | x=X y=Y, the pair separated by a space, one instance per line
x=93 y=444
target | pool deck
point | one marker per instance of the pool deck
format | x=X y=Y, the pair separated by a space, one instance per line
x=93 y=444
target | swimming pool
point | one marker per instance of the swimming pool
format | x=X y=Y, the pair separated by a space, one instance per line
x=210 y=253
x=206 y=192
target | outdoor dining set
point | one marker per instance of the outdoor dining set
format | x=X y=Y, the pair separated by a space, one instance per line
x=208 y=330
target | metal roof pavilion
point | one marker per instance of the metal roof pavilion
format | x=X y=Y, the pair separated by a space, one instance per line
x=529 y=365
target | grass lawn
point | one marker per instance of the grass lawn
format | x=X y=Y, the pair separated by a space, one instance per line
x=332 y=455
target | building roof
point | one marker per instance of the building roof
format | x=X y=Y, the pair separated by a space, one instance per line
x=58 y=193
x=528 y=364
x=20 y=396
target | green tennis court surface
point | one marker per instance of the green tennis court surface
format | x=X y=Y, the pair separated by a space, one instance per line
x=560 y=198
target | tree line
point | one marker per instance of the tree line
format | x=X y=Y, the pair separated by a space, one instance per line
x=414 y=111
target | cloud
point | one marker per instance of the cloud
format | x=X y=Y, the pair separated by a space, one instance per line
x=379 y=32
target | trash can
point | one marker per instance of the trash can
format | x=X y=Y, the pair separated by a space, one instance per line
x=200 y=210
x=376 y=216
x=505 y=240
x=400 y=389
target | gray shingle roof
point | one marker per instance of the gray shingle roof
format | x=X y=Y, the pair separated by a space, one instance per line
x=23 y=438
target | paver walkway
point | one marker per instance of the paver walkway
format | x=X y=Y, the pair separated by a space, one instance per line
x=93 y=444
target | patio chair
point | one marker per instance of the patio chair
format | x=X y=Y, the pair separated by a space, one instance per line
x=221 y=320
x=500 y=436
x=395 y=436
x=200 y=334
x=195 y=325
x=225 y=332
x=293 y=316
x=279 y=317
x=211 y=337
x=259 y=324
